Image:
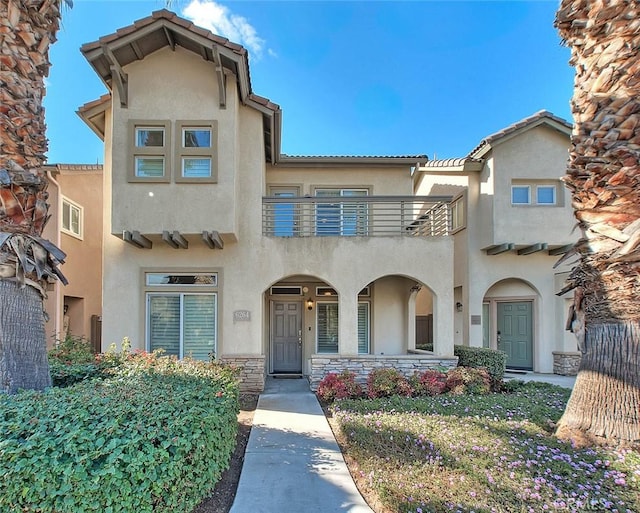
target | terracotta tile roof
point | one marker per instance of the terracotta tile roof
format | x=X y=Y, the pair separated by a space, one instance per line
x=455 y=162
x=167 y=15
x=95 y=103
x=76 y=167
x=535 y=119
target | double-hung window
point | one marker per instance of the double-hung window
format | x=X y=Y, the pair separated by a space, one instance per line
x=150 y=151
x=342 y=217
x=196 y=151
x=181 y=314
x=71 y=218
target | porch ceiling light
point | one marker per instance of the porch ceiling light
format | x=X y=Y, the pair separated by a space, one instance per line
x=309 y=304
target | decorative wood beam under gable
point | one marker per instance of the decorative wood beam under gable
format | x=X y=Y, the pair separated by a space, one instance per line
x=136 y=239
x=533 y=248
x=175 y=239
x=499 y=248
x=170 y=39
x=212 y=239
x=118 y=76
x=222 y=81
x=560 y=250
x=136 y=49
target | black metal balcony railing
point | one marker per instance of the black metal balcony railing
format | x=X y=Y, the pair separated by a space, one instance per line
x=367 y=216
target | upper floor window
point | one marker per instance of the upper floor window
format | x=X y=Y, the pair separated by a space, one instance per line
x=457 y=214
x=150 y=151
x=71 y=218
x=341 y=217
x=532 y=193
x=196 y=152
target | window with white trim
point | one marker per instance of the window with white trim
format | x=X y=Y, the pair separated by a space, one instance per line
x=342 y=217
x=150 y=150
x=72 y=218
x=196 y=151
x=458 y=220
x=534 y=193
x=181 y=317
x=327 y=327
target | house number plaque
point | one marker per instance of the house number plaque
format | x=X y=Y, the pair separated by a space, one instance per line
x=241 y=315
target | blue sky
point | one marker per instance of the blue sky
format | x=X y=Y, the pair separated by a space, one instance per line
x=352 y=78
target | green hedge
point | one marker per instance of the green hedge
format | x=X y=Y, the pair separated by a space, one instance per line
x=154 y=437
x=492 y=360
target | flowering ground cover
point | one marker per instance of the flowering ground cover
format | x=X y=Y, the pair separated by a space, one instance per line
x=493 y=453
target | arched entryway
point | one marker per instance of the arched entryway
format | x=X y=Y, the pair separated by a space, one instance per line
x=509 y=321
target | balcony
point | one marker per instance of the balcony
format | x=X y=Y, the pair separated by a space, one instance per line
x=361 y=216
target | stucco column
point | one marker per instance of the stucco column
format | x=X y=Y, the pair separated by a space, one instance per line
x=474 y=300
x=348 y=324
x=443 y=322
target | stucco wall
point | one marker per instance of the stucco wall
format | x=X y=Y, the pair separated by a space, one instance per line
x=537 y=154
x=175 y=86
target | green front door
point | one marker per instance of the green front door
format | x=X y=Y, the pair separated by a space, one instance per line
x=515 y=333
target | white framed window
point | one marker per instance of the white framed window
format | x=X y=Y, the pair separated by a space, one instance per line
x=341 y=218
x=535 y=192
x=458 y=220
x=149 y=150
x=72 y=218
x=363 y=327
x=182 y=323
x=327 y=324
x=520 y=195
x=196 y=151
x=545 y=195
x=182 y=313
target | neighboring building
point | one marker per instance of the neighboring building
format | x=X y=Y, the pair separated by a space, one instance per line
x=512 y=221
x=75 y=226
x=216 y=243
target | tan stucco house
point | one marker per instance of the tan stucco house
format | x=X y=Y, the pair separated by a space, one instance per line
x=216 y=244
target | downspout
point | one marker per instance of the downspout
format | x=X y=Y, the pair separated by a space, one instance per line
x=57 y=286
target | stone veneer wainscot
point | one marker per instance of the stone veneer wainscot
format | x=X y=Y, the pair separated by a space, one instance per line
x=362 y=365
x=252 y=371
x=566 y=363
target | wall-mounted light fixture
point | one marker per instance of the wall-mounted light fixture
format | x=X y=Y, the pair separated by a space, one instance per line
x=309 y=304
x=459 y=306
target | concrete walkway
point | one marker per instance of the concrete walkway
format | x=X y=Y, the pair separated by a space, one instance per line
x=554 y=379
x=292 y=462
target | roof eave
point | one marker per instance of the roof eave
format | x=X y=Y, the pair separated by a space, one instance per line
x=318 y=161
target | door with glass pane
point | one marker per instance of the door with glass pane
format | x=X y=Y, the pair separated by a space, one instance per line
x=284 y=216
x=182 y=324
x=286 y=337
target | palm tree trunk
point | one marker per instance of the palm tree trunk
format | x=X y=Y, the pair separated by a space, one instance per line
x=603 y=174
x=27 y=28
x=23 y=354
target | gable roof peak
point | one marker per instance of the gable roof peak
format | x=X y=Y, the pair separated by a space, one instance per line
x=539 y=118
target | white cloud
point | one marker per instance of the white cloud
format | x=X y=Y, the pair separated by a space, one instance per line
x=220 y=20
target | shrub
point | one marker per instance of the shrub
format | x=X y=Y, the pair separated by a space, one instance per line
x=73 y=361
x=430 y=382
x=154 y=437
x=72 y=350
x=468 y=380
x=339 y=386
x=512 y=386
x=385 y=382
x=483 y=357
